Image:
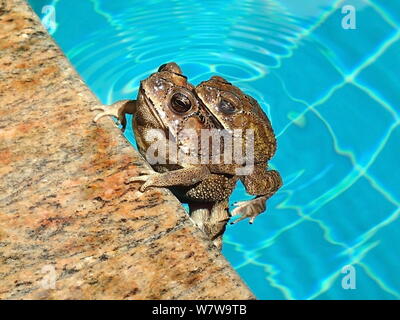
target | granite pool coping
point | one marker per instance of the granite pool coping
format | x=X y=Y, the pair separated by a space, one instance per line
x=70 y=228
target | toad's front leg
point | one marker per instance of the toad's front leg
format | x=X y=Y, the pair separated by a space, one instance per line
x=118 y=109
x=261 y=183
x=180 y=177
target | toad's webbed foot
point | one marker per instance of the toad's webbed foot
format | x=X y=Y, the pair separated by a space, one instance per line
x=211 y=218
x=148 y=179
x=261 y=183
x=117 y=110
x=249 y=209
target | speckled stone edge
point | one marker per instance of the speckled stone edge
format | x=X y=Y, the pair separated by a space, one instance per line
x=70 y=228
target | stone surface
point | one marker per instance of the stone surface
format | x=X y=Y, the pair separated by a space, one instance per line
x=65 y=211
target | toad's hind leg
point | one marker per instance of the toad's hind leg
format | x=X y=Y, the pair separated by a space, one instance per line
x=261 y=183
x=211 y=218
x=216 y=225
x=119 y=109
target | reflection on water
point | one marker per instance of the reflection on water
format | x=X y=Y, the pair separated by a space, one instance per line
x=332 y=98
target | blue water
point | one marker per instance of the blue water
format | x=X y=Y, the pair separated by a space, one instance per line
x=333 y=97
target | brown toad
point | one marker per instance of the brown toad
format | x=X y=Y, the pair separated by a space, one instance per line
x=168 y=117
x=235 y=110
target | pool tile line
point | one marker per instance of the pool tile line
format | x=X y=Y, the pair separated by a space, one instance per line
x=329 y=281
x=383 y=13
x=306 y=32
x=348 y=154
x=347 y=78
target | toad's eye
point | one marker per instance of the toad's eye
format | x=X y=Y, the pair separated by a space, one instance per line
x=180 y=103
x=226 y=107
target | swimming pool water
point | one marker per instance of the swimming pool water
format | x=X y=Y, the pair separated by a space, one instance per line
x=332 y=95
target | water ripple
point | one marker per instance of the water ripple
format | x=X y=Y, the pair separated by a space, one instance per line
x=240 y=46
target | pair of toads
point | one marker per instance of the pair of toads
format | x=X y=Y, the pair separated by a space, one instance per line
x=190 y=121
